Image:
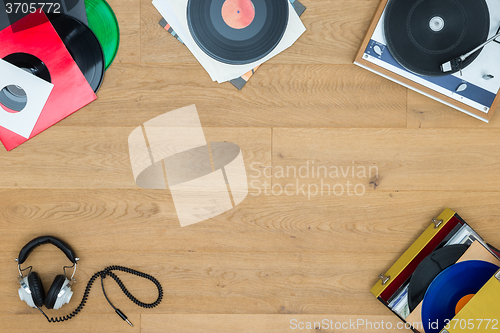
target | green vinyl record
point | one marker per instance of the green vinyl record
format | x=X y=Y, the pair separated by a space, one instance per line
x=103 y=22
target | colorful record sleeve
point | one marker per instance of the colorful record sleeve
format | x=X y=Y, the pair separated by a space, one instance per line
x=37 y=37
x=242 y=80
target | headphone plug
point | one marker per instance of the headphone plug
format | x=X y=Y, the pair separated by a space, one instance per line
x=122 y=315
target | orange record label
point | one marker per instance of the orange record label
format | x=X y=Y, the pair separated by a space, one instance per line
x=238 y=14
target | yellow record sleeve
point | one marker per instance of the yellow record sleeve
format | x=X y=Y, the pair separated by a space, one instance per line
x=482 y=313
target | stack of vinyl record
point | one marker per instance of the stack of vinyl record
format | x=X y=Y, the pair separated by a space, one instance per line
x=446 y=281
x=66 y=46
x=232 y=37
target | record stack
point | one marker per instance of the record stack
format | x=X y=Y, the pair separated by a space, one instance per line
x=447 y=281
x=52 y=58
x=232 y=38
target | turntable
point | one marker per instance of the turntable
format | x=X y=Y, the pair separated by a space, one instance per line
x=448 y=50
x=447 y=281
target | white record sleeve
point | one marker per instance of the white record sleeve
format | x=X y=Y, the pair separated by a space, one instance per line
x=175 y=13
x=37 y=91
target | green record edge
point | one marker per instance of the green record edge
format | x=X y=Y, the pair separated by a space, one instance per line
x=92 y=5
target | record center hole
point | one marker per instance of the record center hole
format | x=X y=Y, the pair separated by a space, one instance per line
x=436 y=23
x=238 y=14
x=463 y=302
x=13 y=98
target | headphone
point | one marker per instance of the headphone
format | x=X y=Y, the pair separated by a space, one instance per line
x=32 y=291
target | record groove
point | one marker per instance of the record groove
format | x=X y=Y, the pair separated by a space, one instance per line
x=83 y=46
x=429 y=268
x=221 y=34
x=423 y=34
x=449 y=288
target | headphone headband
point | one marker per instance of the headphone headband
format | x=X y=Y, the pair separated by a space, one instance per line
x=33 y=244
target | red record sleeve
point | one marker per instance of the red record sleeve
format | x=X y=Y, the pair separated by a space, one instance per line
x=35 y=35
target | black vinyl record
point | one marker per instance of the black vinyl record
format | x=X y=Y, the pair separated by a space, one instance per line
x=14 y=97
x=237 y=31
x=429 y=268
x=83 y=46
x=423 y=34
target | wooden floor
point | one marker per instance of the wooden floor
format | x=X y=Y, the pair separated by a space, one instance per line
x=275 y=258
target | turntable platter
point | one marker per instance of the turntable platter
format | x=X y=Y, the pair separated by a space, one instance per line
x=423 y=34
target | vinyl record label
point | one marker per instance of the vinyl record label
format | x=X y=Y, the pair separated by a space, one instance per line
x=237 y=31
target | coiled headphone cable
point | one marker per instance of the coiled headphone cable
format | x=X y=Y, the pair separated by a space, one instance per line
x=108 y=272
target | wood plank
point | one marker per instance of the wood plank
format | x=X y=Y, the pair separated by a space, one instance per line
x=142 y=221
x=430 y=160
x=249 y=323
x=424 y=112
x=98 y=157
x=158 y=45
x=82 y=323
x=280 y=96
x=128 y=14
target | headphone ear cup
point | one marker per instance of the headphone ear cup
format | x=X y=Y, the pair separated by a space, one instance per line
x=36 y=288
x=55 y=288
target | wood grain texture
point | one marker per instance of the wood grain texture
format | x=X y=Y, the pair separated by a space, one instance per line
x=141 y=220
x=87 y=324
x=262 y=323
x=424 y=112
x=276 y=256
x=434 y=159
x=128 y=14
x=277 y=96
x=98 y=157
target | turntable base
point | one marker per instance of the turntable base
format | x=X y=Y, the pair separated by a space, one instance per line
x=474 y=90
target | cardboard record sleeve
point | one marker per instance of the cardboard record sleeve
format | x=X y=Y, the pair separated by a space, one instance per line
x=480 y=314
x=483 y=305
x=36 y=36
